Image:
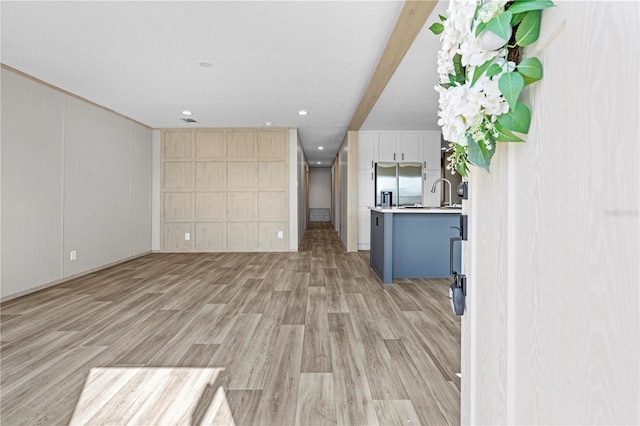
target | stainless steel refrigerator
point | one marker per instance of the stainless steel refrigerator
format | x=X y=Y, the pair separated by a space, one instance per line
x=403 y=180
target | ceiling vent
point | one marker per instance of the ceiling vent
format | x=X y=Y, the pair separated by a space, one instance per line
x=188 y=120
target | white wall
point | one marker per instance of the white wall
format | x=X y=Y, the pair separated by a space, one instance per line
x=343 y=158
x=346 y=195
x=297 y=191
x=97 y=211
x=333 y=195
x=155 y=190
x=32 y=179
x=74 y=177
x=552 y=327
x=319 y=188
x=337 y=194
x=141 y=189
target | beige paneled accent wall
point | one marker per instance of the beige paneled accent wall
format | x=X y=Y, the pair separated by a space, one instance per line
x=226 y=188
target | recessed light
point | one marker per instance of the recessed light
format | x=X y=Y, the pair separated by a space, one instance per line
x=186 y=112
x=205 y=64
x=267 y=123
x=319 y=162
x=302 y=112
x=320 y=148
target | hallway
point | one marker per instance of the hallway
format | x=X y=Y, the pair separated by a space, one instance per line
x=311 y=337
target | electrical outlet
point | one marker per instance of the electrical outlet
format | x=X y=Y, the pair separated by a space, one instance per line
x=187 y=236
x=73 y=255
x=280 y=234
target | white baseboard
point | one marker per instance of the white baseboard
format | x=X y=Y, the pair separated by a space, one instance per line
x=69 y=278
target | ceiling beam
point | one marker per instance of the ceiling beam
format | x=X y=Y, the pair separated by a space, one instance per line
x=411 y=20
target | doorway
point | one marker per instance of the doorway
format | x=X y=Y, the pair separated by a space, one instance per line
x=319 y=194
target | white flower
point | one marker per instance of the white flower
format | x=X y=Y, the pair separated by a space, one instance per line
x=473 y=54
x=456 y=29
x=445 y=64
x=489 y=9
x=492 y=101
x=466 y=110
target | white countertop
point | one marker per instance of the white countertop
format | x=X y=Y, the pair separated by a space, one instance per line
x=423 y=210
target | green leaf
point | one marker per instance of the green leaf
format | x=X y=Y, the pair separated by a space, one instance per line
x=479 y=154
x=460 y=159
x=531 y=70
x=478 y=71
x=494 y=69
x=511 y=85
x=462 y=169
x=529 y=29
x=520 y=6
x=517 y=18
x=506 y=135
x=457 y=66
x=442 y=18
x=475 y=13
x=480 y=27
x=489 y=68
x=517 y=120
x=437 y=28
x=500 y=25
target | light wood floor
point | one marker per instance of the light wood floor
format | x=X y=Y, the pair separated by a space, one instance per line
x=248 y=338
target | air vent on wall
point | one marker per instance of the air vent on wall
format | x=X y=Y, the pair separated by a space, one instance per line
x=188 y=120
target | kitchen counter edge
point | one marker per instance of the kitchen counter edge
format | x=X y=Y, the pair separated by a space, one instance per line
x=424 y=210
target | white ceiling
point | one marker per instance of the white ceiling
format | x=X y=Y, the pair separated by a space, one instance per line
x=270 y=59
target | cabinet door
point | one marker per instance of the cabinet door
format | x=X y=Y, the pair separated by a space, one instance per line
x=432 y=151
x=364 y=228
x=430 y=199
x=367 y=150
x=366 y=188
x=387 y=148
x=377 y=243
x=411 y=148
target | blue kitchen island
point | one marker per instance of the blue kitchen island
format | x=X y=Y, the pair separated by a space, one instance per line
x=413 y=243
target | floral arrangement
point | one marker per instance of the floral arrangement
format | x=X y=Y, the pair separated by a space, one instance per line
x=482 y=76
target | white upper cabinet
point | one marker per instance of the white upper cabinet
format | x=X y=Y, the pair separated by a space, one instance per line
x=400 y=147
x=411 y=147
x=432 y=151
x=367 y=150
x=387 y=147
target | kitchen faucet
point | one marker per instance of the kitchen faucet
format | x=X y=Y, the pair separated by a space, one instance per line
x=433 y=188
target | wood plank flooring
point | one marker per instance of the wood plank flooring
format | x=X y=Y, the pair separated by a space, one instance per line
x=308 y=338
